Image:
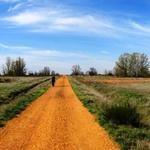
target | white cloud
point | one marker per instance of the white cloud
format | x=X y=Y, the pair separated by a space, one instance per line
x=16 y=7
x=54 y=53
x=140 y=27
x=9 y=1
x=31 y=51
x=52 y=20
x=37 y=17
x=58 y=60
x=5 y=46
x=26 y=18
x=44 y=19
x=86 y=23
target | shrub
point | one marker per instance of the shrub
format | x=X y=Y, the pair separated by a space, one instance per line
x=121 y=113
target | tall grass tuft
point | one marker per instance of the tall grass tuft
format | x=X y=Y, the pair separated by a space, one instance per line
x=121 y=113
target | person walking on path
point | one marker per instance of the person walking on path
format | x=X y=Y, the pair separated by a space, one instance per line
x=53 y=80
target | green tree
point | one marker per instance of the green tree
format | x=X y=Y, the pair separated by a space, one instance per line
x=121 y=68
x=132 y=65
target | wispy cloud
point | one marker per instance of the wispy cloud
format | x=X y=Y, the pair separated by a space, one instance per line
x=15 y=7
x=42 y=17
x=55 y=53
x=25 y=50
x=51 y=20
x=140 y=27
x=58 y=60
x=9 y=1
x=47 y=19
x=5 y=46
x=26 y=18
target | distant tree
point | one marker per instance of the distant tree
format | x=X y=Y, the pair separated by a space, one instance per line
x=19 y=67
x=44 y=72
x=7 y=68
x=53 y=73
x=108 y=73
x=76 y=70
x=121 y=68
x=14 y=67
x=57 y=74
x=132 y=65
x=31 y=73
x=82 y=73
x=144 y=65
x=92 y=71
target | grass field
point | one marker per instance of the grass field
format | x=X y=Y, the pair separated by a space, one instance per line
x=18 y=92
x=121 y=106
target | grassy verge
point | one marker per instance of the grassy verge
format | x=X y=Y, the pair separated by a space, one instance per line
x=9 y=93
x=12 y=109
x=128 y=135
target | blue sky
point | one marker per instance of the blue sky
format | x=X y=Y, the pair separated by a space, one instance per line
x=59 y=34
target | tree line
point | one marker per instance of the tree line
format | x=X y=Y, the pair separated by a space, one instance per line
x=76 y=70
x=127 y=65
x=17 y=67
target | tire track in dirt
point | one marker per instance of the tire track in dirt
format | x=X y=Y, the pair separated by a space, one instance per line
x=55 y=121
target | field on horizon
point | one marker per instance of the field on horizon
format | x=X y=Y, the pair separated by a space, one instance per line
x=121 y=106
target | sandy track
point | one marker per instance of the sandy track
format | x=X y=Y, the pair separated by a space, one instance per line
x=55 y=121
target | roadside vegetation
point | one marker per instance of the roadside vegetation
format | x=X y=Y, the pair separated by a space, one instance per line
x=19 y=87
x=122 y=108
x=16 y=93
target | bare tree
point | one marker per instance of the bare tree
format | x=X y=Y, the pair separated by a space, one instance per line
x=14 y=67
x=7 y=68
x=19 y=67
x=46 y=71
x=76 y=70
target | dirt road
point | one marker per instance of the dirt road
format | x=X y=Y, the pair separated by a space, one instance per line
x=55 y=121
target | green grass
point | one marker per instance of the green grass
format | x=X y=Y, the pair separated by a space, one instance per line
x=14 y=110
x=8 y=91
x=120 y=102
x=87 y=98
x=15 y=106
x=121 y=113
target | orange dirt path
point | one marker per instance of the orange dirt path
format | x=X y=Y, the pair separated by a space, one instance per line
x=55 y=121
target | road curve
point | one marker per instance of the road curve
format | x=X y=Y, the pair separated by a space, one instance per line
x=55 y=121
